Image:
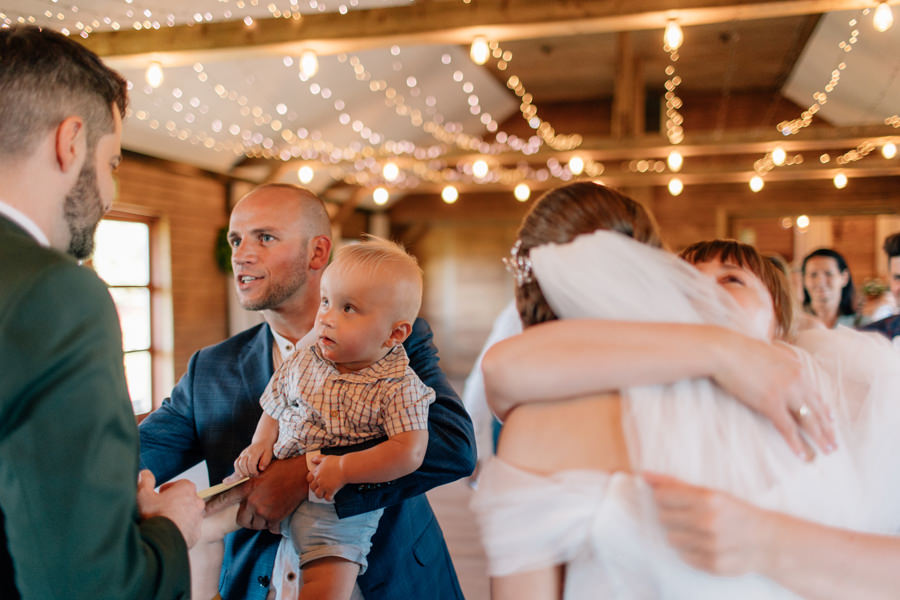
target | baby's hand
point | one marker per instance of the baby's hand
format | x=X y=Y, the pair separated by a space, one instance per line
x=327 y=477
x=253 y=460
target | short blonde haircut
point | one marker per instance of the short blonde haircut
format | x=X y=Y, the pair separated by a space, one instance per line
x=392 y=264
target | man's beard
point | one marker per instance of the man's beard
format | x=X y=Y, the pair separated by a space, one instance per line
x=278 y=292
x=83 y=211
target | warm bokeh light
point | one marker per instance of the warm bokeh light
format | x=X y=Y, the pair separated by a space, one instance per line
x=309 y=64
x=840 y=181
x=883 y=18
x=778 y=156
x=522 y=192
x=675 y=186
x=576 y=165
x=802 y=221
x=380 y=196
x=756 y=183
x=305 y=174
x=449 y=194
x=480 y=169
x=675 y=161
x=889 y=150
x=390 y=171
x=673 y=36
x=154 y=74
x=479 y=51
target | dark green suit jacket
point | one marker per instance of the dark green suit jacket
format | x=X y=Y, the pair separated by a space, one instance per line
x=68 y=441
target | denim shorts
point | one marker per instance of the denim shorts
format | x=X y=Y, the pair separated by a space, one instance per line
x=317 y=532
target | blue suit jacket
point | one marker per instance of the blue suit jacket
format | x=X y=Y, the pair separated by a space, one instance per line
x=888 y=327
x=212 y=414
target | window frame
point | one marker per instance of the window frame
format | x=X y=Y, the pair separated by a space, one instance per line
x=159 y=288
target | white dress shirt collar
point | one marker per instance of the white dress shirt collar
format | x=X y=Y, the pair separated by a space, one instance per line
x=23 y=221
x=285 y=346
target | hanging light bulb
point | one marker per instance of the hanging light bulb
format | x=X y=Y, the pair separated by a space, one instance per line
x=449 y=194
x=154 y=74
x=309 y=64
x=390 y=171
x=480 y=169
x=675 y=186
x=479 y=52
x=576 y=165
x=840 y=181
x=522 y=192
x=305 y=174
x=778 y=156
x=675 y=160
x=889 y=150
x=756 y=183
x=380 y=196
x=673 y=36
x=883 y=18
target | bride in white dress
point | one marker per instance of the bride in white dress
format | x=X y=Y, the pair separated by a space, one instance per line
x=562 y=492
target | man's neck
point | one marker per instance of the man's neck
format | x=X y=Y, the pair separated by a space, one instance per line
x=291 y=324
x=28 y=189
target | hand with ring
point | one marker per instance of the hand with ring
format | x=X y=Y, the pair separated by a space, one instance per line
x=813 y=418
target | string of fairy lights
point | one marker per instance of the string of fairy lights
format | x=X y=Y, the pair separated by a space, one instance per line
x=882 y=20
x=374 y=161
x=81 y=19
x=365 y=168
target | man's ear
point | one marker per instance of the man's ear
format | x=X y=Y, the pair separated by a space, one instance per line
x=399 y=332
x=71 y=144
x=319 y=252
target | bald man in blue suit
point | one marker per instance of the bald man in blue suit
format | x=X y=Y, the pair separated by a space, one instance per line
x=280 y=238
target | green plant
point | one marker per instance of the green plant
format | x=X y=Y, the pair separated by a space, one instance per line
x=223 y=251
x=874 y=287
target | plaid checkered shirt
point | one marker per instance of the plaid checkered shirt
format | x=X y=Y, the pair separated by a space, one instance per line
x=317 y=406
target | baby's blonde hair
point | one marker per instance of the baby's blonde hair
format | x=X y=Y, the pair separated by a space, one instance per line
x=393 y=264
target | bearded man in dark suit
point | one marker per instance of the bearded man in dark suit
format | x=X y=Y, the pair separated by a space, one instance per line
x=74 y=520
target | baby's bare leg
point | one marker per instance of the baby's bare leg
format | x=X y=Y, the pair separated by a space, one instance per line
x=206 y=556
x=329 y=578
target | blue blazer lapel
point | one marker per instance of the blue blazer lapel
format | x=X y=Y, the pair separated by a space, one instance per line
x=255 y=364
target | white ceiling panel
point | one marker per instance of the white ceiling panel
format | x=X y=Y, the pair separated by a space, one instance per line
x=869 y=87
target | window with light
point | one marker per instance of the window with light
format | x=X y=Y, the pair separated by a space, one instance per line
x=122 y=260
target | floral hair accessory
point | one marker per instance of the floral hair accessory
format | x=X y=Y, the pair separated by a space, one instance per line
x=519 y=265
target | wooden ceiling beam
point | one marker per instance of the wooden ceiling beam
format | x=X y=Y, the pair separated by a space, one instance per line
x=433 y=22
x=807 y=171
x=736 y=142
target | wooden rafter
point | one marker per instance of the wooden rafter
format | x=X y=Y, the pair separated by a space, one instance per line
x=712 y=144
x=735 y=173
x=439 y=23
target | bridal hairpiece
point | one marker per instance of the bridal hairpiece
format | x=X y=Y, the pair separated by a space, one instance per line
x=519 y=265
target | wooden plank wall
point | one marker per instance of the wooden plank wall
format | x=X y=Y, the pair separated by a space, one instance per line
x=189 y=206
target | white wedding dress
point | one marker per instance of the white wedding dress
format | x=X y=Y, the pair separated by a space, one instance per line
x=603 y=525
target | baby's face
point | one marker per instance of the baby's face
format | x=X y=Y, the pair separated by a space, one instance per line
x=748 y=291
x=355 y=318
